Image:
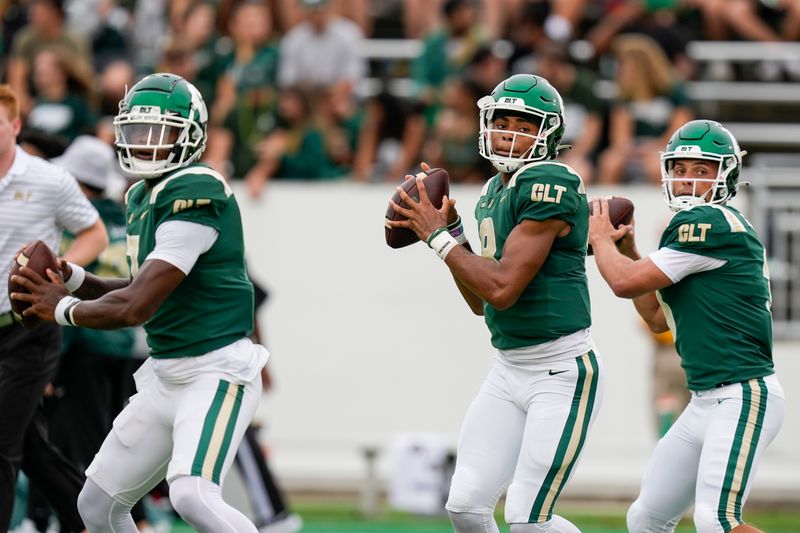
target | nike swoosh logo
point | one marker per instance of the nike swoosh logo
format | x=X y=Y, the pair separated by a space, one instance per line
x=559 y=372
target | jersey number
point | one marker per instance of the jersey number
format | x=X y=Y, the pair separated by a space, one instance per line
x=488 y=242
x=133 y=253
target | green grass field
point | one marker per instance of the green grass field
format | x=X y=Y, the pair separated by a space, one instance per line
x=320 y=518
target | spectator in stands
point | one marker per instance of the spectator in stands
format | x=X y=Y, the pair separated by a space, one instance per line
x=208 y=52
x=743 y=18
x=650 y=105
x=663 y=20
x=111 y=85
x=104 y=23
x=527 y=35
x=149 y=31
x=295 y=149
x=446 y=52
x=452 y=145
x=563 y=19
x=391 y=136
x=63 y=95
x=583 y=109
x=46 y=29
x=489 y=66
x=339 y=120
x=322 y=51
x=249 y=70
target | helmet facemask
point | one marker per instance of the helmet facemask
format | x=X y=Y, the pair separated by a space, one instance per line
x=540 y=148
x=161 y=126
x=723 y=186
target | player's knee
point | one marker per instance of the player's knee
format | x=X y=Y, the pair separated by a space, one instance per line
x=184 y=498
x=472 y=522
x=467 y=493
x=642 y=520
x=706 y=520
x=95 y=507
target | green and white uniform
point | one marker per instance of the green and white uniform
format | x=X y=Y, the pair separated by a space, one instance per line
x=556 y=301
x=198 y=390
x=528 y=424
x=737 y=345
x=213 y=306
x=718 y=311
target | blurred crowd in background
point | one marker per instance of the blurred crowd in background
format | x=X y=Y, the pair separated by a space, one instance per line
x=295 y=89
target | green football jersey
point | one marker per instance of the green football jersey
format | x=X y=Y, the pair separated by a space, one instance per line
x=556 y=301
x=213 y=306
x=720 y=318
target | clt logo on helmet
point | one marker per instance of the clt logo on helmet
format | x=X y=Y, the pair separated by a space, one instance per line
x=688 y=148
x=511 y=101
x=145 y=110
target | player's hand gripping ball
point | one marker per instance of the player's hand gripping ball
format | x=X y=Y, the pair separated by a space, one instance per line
x=38 y=257
x=620 y=212
x=437 y=184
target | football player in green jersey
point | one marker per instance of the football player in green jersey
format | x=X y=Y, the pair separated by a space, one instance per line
x=709 y=284
x=199 y=389
x=528 y=424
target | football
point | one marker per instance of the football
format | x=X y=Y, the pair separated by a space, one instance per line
x=38 y=257
x=437 y=183
x=620 y=211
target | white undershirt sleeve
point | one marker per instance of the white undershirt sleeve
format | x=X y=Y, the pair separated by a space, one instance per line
x=180 y=243
x=677 y=265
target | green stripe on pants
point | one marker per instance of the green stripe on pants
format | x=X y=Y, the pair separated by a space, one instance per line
x=208 y=428
x=217 y=433
x=571 y=442
x=743 y=448
x=226 y=442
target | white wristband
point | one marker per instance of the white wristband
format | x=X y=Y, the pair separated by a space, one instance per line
x=76 y=279
x=442 y=244
x=65 y=309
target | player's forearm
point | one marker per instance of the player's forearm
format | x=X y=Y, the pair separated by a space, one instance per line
x=649 y=308
x=473 y=300
x=93 y=287
x=116 y=309
x=483 y=277
x=613 y=266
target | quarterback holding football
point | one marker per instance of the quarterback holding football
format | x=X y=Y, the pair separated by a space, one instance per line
x=709 y=284
x=526 y=428
x=199 y=389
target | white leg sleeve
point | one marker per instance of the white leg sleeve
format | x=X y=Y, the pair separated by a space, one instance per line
x=473 y=522
x=199 y=502
x=488 y=448
x=103 y=514
x=642 y=520
x=556 y=524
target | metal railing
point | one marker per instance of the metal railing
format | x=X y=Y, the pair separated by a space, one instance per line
x=774 y=210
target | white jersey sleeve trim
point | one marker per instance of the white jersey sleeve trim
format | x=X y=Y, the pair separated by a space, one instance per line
x=181 y=243
x=676 y=265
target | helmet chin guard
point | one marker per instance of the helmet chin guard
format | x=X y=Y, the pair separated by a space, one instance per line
x=704 y=140
x=527 y=96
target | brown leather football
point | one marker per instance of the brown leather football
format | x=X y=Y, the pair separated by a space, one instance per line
x=38 y=257
x=437 y=183
x=620 y=211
